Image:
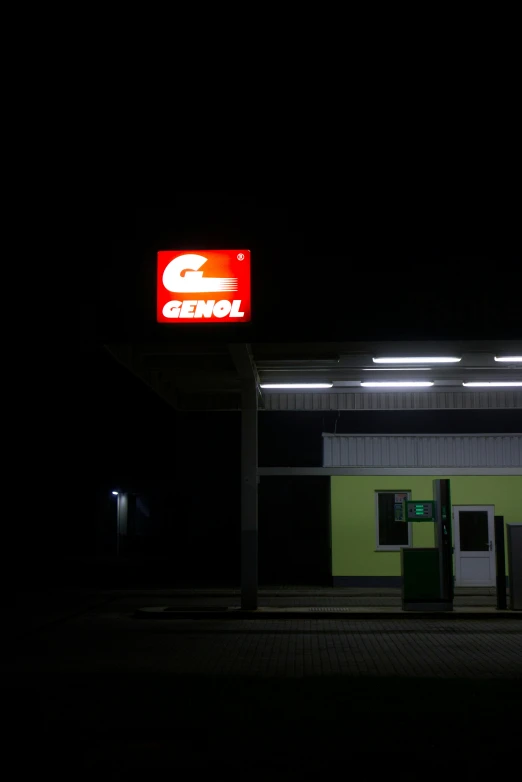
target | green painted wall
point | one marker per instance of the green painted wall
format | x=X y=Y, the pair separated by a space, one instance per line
x=353 y=515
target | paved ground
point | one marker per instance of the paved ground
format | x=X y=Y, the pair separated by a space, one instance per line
x=42 y=606
x=102 y=690
x=38 y=608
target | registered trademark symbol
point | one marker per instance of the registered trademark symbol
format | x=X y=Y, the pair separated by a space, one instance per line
x=240 y=256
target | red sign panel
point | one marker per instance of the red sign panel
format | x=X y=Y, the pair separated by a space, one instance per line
x=203 y=286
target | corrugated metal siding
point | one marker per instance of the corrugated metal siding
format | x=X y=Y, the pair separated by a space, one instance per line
x=469 y=450
x=427 y=400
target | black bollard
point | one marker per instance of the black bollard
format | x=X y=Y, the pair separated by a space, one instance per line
x=501 y=562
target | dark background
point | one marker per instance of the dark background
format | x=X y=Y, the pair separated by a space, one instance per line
x=321 y=270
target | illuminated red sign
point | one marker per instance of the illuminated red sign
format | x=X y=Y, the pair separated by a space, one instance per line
x=203 y=286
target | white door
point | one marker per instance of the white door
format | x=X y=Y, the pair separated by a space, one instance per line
x=473 y=533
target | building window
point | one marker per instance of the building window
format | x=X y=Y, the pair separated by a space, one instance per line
x=392 y=535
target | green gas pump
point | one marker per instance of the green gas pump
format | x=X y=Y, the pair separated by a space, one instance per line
x=427 y=573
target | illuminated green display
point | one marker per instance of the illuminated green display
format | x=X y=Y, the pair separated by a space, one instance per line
x=419 y=510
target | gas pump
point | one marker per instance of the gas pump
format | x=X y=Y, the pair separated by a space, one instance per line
x=441 y=495
x=427 y=573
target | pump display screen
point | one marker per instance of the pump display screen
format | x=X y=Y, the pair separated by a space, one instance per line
x=420 y=510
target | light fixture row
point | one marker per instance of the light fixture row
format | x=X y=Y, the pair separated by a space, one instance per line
x=410 y=383
x=438 y=360
x=386 y=384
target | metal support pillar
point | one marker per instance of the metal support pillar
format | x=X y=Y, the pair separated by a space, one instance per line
x=443 y=541
x=249 y=545
x=514 y=541
x=245 y=366
x=500 y=555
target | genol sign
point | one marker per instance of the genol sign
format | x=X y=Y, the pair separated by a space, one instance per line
x=203 y=286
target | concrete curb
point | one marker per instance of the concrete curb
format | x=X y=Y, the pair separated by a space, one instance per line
x=234 y=613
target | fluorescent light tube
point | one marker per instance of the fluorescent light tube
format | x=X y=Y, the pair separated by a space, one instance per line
x=493 y=383
x=406 y=384
x=417 y=360
x=296 y=385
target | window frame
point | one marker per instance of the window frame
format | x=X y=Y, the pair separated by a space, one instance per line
x=378 y=546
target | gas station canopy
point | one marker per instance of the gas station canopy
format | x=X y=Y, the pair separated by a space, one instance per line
x=331 y=375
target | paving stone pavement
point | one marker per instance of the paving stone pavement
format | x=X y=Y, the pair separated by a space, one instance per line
x=308 y=648
x=38 y=608
x=99 y=640
x=102 y=690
